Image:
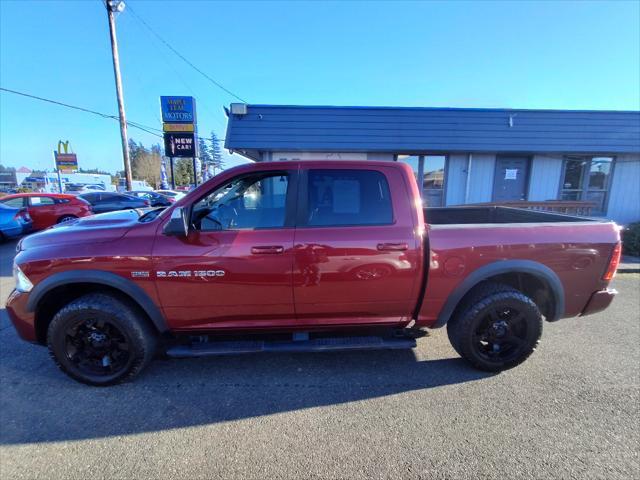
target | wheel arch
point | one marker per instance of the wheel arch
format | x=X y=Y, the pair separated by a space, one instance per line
x=532 y=278
x=48 y=296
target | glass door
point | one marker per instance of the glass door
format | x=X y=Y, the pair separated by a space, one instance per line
x=431 y=169
x=587 y=179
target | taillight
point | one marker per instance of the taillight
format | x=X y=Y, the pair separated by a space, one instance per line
x=147 y=203
x=614 y=261
x=24 y=214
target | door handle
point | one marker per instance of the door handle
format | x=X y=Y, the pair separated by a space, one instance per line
x=393 y=247
x=267 y=249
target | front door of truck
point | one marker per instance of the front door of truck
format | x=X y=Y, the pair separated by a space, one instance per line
x=356 y=255
x=234 y=268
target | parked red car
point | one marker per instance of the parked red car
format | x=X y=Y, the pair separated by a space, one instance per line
x=47 y=209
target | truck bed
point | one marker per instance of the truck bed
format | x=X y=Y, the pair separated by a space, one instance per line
x=463 y=241
x=493 y=215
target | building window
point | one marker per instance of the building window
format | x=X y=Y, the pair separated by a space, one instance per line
x=431 y=168
x=433 y=180
x=587 y=179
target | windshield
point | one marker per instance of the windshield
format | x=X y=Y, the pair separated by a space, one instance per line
x=151 y=215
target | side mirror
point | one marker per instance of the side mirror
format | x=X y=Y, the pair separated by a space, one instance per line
x=178 y=224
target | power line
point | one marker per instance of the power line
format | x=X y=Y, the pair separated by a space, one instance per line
x=217 y=84
x=131 y=123
x=137 y=125
x=163 y=54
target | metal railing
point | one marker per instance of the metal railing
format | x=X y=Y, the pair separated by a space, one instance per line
x=559 y=206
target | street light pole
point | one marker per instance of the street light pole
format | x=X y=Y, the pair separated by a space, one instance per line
x=113 y=7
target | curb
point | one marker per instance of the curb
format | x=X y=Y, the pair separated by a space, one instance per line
x=629 y=270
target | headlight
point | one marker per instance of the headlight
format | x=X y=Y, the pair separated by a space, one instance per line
x=23 y=284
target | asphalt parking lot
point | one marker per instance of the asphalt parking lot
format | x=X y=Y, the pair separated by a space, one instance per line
x=571 y=411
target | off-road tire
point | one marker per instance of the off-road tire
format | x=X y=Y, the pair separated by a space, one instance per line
x=465 y=320
x=127 y=318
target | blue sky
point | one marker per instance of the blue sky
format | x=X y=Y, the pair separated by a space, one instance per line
x=573 y=55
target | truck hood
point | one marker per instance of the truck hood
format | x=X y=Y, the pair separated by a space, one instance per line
x=105 y=227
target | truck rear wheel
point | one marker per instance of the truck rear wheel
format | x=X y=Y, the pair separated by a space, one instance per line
x=497 y=328
x=100 y=340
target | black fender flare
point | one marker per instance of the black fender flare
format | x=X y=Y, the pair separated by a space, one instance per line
x=99 y=277
x=536 y=269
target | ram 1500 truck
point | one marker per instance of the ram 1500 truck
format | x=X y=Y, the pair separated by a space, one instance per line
x=304 y=256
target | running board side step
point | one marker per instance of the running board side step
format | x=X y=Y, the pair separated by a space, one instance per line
x=203 y=349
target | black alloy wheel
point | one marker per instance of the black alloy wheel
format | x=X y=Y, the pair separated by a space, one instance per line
x=97 y=348
x=101 y=339
x=496 y=328
x=501 y=334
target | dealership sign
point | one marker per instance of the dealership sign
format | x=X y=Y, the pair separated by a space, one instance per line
x=179 y=126
x=178 y=109
x=180 y=145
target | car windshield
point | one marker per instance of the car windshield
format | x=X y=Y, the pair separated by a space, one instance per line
x=151 y=215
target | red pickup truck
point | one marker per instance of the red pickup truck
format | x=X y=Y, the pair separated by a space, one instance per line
x=304 y=256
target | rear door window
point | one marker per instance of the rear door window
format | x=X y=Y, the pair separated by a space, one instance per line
x=348 y=197
x=91 y=197
x=41 y=201
x=14 y=202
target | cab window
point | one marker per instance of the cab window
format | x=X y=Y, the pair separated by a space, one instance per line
x=348 y=197
x=248 y=202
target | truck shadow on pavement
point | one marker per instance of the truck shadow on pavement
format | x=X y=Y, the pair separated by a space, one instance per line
x=40 y=404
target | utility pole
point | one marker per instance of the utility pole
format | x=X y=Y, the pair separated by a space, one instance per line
x=113 y=7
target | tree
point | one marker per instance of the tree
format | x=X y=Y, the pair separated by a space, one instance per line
x=145 y=163
x=205 y=157
x=183 y=171
x=215 y=152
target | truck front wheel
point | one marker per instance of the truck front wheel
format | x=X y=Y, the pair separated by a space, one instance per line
x=496 y=329
x=100 y=340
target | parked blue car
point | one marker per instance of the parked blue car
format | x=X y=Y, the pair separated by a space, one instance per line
x=14 y=222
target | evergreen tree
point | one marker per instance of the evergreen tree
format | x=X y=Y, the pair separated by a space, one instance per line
x=205 y=158
x=216 y=153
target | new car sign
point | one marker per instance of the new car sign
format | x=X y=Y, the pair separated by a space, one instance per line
x=181 y=145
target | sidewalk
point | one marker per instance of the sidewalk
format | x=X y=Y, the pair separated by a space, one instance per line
x=629 y=264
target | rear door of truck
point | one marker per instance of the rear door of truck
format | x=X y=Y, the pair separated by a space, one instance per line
x=357 y=259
